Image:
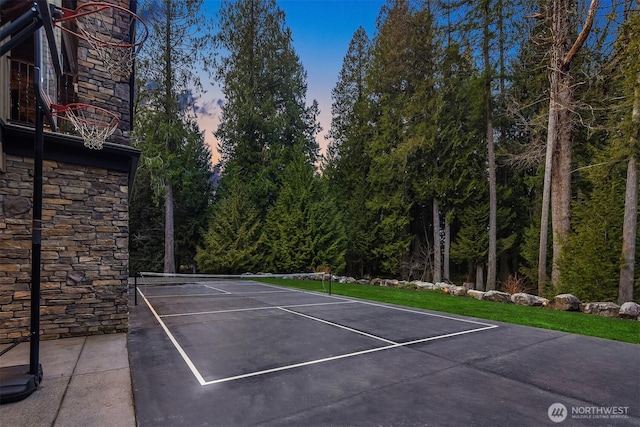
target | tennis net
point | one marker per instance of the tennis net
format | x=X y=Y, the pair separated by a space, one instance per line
x=152 y=279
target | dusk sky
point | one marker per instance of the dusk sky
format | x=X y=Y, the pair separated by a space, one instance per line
x=321 y=30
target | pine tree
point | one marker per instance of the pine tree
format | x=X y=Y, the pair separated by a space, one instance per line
x=166 y=83
x=626 y=145
x=233 y=241
x=401 y=90
x=303 y=229
x=347 y=165
x=193 y=197
x=590 y=260
x=265 y=114
x=557 y=178
x=146 y=226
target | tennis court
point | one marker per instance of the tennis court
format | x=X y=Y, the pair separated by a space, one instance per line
x=230 y=353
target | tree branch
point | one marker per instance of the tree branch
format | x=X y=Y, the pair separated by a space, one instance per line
x=582 y=36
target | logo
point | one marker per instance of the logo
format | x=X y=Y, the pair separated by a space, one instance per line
x=557 y=412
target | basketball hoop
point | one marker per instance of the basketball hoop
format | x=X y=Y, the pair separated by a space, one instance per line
x=110 y=30
x=94 y=124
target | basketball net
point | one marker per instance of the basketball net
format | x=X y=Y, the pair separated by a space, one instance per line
x=110 y=31
x=93 y=124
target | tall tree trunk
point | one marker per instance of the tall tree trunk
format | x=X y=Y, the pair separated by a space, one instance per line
x=169 y=251
x=546 y=190
x=437 y=251
x=627 y=271
x=630 y=223
x=479 y=277
x=447 y=247
x=491 y=156
x=561 y=173
x=557 y=176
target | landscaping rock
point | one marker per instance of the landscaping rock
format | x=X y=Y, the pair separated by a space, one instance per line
x=497 y=296
x=475 y=294
x=522 y=298
x=458 y=291
x=565 y=302
x=630 y=310
x=469 y=285
x=606 y=309
x=425 y=285
x=363 y=282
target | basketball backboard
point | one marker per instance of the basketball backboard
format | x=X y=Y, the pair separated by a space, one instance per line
x=28 y=34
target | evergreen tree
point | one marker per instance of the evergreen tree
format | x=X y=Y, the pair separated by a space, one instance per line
x=303 y=229
x=193 y=197
x=347 y=165
x=265 y=114
x=627 y=146
x=603 y=217
x=590 y=260
x=233 y=240
x=401 y=89
x=166 y=83
x=146 y=226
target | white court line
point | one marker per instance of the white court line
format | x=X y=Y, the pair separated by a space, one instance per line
x=227 y=294
x=339 y=326
x=203 y=382
x=341 y=356
x=475 y=322
x=271 y=307
x=188 y=361
x=216 y=289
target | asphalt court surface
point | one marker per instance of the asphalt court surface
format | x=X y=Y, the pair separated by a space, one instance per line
x=247 y=353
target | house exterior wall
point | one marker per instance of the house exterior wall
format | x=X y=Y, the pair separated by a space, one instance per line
x=85 y=213
x=84 y=250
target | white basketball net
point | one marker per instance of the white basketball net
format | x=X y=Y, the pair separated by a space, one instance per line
x=104 y=31
x=93 y=124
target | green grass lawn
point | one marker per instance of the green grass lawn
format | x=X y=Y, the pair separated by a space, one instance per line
x=573 y=322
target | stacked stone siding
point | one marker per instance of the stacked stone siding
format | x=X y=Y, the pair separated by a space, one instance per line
x=84 y=250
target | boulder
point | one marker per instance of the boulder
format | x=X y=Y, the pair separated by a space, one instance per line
x=565 y=302
x=363 y=282
x=392 y=283
x=475 y=294
x=425 y=285
x=441 y=285
x=497 y=296
x=606 y=309
x=630 y=310
x=522 y=298
x=377 y=281
x=458 y=291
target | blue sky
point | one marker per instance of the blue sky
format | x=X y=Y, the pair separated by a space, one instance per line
x=321 y=30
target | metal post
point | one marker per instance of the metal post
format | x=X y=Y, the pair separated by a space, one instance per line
x=36 y=236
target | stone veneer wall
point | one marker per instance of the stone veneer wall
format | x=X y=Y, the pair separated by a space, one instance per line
x=84 y=250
